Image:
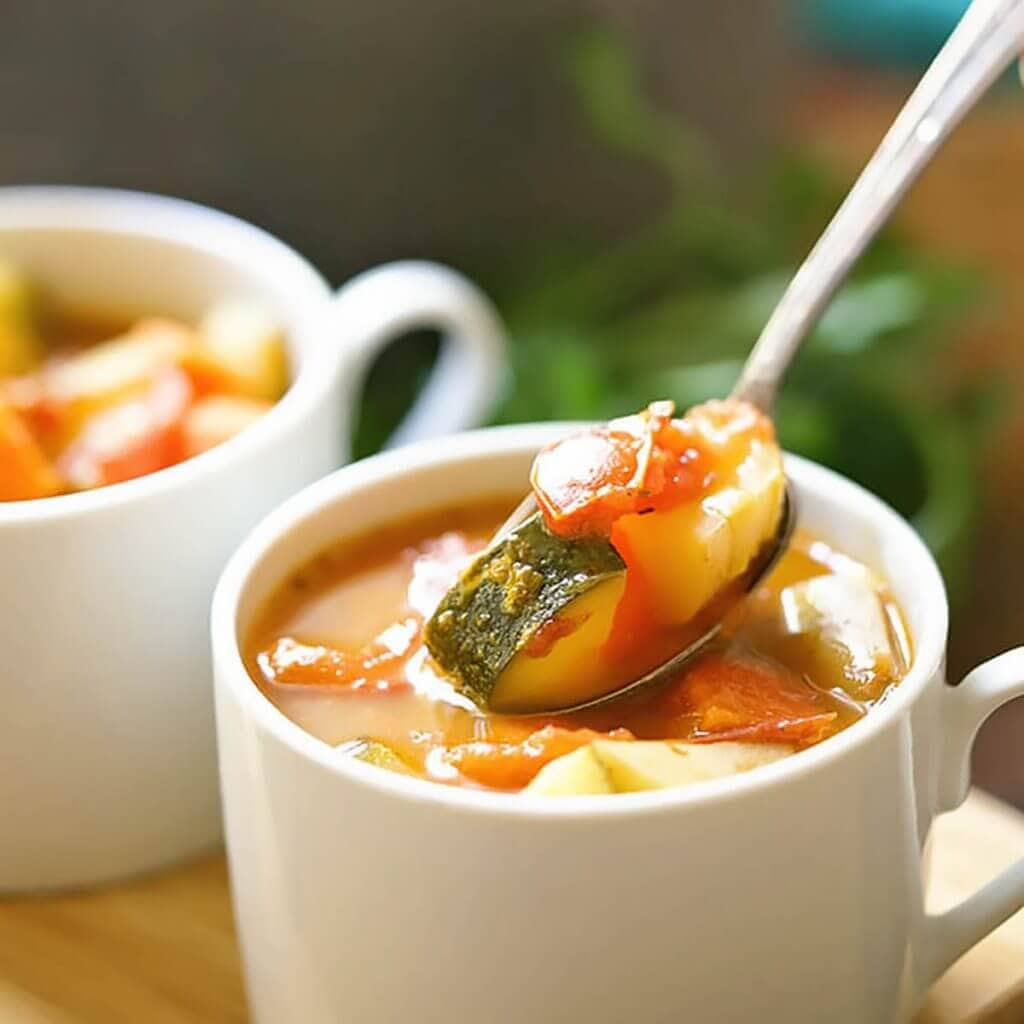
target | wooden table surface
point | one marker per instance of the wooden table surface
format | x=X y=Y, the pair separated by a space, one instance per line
x=162 y=950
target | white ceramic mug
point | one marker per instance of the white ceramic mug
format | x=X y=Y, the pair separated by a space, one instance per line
x=107 y=763
x=793 y=893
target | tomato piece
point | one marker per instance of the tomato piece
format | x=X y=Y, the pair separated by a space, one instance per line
x=635 y=625
x=744 y=697
x=584 y=483
x=635 y=464
x=511 y=765
x=376 y=668
x=37 y=409
x=25 y=471
x=678 y=468
x=133 y=438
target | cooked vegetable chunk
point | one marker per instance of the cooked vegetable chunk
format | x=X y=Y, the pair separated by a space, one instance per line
x=20 y=345
x=573 y=774
x=746 y=697
x=378 y=754
x=216 y=419
x=25 y=472
x=635 y=464
x=371 y=670
x=110 y=373
x=244 y=339
x=687 y=554
x=657 y=764
x=137 y=436
x=838 y=628
x=534 y=609
x=514 y=762
x=103 y=401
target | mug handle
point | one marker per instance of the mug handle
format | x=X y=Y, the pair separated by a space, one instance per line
x=949 y=935
x=377 y=306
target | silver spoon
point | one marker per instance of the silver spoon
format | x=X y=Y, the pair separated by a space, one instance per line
x=986 y=41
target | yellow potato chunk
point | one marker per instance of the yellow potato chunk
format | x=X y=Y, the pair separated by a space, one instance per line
x=688 y=553
x=245 y=340
x=577 y=774
x=659 y=764
x=839 y=629
x=19 y=350
x=213 y=420
x=20 y=345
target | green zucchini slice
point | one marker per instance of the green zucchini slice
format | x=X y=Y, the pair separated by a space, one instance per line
x=524 y=627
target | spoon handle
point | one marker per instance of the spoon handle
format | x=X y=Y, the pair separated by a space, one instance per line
x=984 y=43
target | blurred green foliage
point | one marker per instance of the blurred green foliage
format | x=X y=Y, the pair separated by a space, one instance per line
x=672 y=309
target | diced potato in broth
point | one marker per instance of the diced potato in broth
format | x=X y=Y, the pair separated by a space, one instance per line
x=581 y=773
x=839 y=626
x=657 y=764
x=245 y=340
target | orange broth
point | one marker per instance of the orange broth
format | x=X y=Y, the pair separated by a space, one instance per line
x=338 y=649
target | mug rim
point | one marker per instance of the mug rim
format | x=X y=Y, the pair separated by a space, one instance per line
x=152 y=215
x=295 y=514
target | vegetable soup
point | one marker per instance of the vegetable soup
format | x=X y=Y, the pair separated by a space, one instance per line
x=340 y=650
x=89 y=399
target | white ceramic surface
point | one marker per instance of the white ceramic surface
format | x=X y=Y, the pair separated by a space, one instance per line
x=793 y=893
x=107 y=763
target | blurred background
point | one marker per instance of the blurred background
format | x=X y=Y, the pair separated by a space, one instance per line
x=633 y=180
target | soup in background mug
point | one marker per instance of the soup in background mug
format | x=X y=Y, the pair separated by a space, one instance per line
x=107 y=764
x=89 y=399
x=793 y=892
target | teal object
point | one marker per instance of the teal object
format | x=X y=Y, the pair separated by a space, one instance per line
x=904 y=33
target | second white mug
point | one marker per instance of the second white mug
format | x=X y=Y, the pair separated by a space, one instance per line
x=107 y=764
